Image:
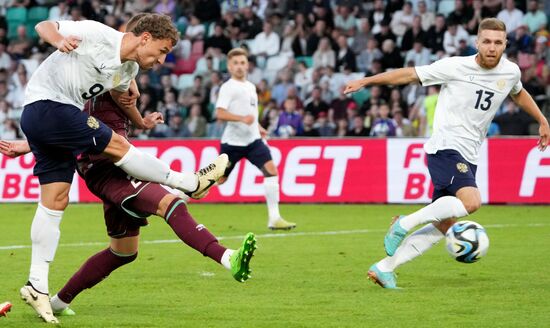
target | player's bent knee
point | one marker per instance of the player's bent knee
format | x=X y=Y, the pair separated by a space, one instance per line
x=472 y=205
x=117 y=147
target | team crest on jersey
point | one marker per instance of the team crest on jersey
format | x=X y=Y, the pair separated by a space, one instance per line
x=501 y=84
x=461 y=167
x=116 y=79
x=93 y=123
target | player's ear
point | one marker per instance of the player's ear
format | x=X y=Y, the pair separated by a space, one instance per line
x=145 y=37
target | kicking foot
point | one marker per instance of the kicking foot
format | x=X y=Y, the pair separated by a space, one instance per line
x=281 y=224
x=208 y=176
x=66 y=312
x=384 y=279
x=4 y=309
x=39 y=302
x=240 y=259
x=395 y=236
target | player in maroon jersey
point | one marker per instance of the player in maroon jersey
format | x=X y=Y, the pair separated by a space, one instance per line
x=127 y=202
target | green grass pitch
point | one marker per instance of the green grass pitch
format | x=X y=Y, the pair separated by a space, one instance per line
x=312 y=277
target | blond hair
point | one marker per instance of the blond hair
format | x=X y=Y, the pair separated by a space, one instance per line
x=237 y=52
x=492 y=24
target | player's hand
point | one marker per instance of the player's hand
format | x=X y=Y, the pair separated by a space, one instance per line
x=248 y=119
x=544 y=132
x=68 y=43
x=353 y=86
x=152 y=119
x=263 y=132
x=14 y=148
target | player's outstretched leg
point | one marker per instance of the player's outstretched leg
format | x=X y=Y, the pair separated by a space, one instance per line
x=240 y=259
x=208 y=176
x=39 y=302
x=395 y=236
x=4 y=309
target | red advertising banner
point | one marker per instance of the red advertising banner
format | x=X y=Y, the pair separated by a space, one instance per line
x=329 y=171
x=519 y=172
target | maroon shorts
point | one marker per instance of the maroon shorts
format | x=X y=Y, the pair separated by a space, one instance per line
x=127 y=202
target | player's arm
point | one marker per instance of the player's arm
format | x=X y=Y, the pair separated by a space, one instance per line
x=14 y=148
x=524 y=100
x=132 y=112
x=49 y=32
x=395 y=77
x=225 y=115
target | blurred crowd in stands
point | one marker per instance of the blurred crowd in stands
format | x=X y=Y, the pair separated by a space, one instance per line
x=302 y=53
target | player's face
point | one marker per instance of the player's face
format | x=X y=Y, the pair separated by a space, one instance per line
x=152 y=51
x=490 y=45
x=238 y=66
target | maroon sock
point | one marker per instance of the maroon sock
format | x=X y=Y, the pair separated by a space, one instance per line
x=190 y=232
x=93 y=271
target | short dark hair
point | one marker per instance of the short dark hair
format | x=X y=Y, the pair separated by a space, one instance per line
x=132 y=22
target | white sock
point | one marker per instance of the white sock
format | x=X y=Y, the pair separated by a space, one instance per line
x=225 y=258
x=443 y=208
x=57 y=304
x=271 y=185
x=414 y=245
x=45 y=237
x=145 y=167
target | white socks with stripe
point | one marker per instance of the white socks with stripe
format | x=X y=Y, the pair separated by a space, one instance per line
x=45 y=238
x=413 y=246
x=271 y=185
x=143 y=166
x=445 y=207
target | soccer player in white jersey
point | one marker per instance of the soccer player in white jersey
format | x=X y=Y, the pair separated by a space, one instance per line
x=92 y=58
x=473 y=88
x=243 y=137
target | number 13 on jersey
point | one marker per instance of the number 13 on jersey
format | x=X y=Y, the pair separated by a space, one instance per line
x=483 y=101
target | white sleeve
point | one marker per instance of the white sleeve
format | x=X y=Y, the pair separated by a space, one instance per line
x=439 y=72
x=88 y=31
x=224 y=97
x=518 y=85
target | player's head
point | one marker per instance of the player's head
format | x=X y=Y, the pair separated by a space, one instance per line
x=158 y=36
x=237 y=63
x=491 y=42
x=132 y=22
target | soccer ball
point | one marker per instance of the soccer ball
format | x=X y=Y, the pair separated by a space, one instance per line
x=467 y=241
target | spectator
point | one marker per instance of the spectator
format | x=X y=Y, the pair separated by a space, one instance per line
x=340 y=105
x=362 y=38
x=319 y=32
x=207 y=10
x=368 y=55
x=346 y=57
x=436 y=35
x=391 y=57
x=464 y=49
x=341 y=128
x=309 y=129
x=218 y=40
x=325 y=127
x=21 y=46
x=345 y=21
x=511 y=16
x=402 y=19
x=451 y=40
x=264 y=94
x=324 y=56
x=427 y=17
x=383 y=126
x=196 y=89
x=535 y=19
x=377 y=16
x=290 y=121
x=403 y=127
x=385 y=33
x=195 y=31
x=479 y=13
x=303 y=78
x=255 y=75
x=418 y=55
x=5 y=59
x=10 y=130
x=266 y=43
x=358 y=128
x=59 y=12
x=414 y=33
x=215 y=129
x=251 y=24
x=315 y=104
x=166 y=7
x=214 y=86
x=461 y=15
x=520 y=41
x=299 y=44
x=176 y=128
x=280 y=90
x=196 y=123
x=513 y=121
